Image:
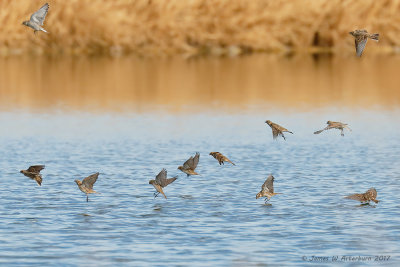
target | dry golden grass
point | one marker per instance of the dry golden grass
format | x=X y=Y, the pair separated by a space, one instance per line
x=157 y=27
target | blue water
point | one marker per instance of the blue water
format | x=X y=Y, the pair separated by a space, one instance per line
x=209 y=220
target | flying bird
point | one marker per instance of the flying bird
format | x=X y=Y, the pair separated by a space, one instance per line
x=221 y=158
x=161 y=181
x=267 y=189
x=86 y=186
x=366 y=197
x=190 y=165
x=277 y=129
x=33 y=172
x=361 y=38
x=334 y=125
x=37 y=19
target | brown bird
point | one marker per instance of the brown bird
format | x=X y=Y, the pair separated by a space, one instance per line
x=361 y=38
x=221 y=158
x=334 y=125
x=277 y=129
x=190 y=165
x=267 y=189
x=86 y=186
x=161 y=181
x=33 y=172
x=366 y=197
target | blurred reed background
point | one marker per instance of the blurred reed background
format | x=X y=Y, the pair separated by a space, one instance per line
x=164 y=27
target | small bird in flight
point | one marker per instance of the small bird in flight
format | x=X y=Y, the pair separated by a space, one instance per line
x=361 y=38
x=277 y=129
x=366 y=197
x=161 y=181
x=190 y=165
x=86 y=186
x=267 y=189
x=334 y=125
x=33 y=172
x=37 y=19
x=221 y=158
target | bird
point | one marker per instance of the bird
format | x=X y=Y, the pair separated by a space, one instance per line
x=366 y=197
x=161 y=181
x=221 y=158
x=37 y=19
x=267 y=189
x=33 y=172
x=277 y=129
x=190 y=165
x=361 y=38
x=334 y=125
x=86 y=186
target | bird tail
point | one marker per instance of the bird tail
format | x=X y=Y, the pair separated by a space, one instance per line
x=278 y=194
x=374 y=36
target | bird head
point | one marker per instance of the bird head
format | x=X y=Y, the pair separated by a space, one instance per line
x=268 y=122
x=352 y=33
x=21 y=171
x=25 y=23
x=78 y=182
x=258 y=195
x=212 y=153
x=328 y=122
x=180 y=168
x=151 y=181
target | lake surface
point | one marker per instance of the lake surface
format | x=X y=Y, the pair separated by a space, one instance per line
x=128 y=118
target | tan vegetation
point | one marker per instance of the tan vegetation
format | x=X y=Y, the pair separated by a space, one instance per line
x=157 y=27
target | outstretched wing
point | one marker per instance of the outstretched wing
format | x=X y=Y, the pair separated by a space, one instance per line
x=360 y=45
x=90 y=180
x=359 y=197
x=195 y=160
x=39 y=16
x=268 y=184
x=35 y=168
x=188 y=164
x=162 y=180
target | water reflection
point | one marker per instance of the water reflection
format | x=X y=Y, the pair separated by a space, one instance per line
x=136 y=84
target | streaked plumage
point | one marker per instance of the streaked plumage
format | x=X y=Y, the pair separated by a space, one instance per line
x=267 y=189
x=86 y=186
x=161 y=181
x=277 y=130
x=33 y=172
x=368 y=196
x=334 y=125
x=190 y=165
x=37 y=19
x=221 y=158
x=361 y=38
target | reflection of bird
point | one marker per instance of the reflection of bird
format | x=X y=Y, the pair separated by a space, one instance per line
x=86 y=186
x=361 y=38
x=161 y=181
x=368 y=196
x=221 y=158
x=37 y=19
x=277 y=129
x=334 y=125
x=190 y=165
x=33 y=172
x=267 y=189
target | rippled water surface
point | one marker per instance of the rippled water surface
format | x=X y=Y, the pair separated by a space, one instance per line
x=131 y=129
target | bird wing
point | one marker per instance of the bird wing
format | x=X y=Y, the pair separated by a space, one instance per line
x=196 y=160
x=39 y=16
x=35 y=168
x=268 y=184
x=275 y=132
x=188 y=164
x=360 y=45
x=162 y=180
x=320 y=131
x=359 y=197
x=90 y=180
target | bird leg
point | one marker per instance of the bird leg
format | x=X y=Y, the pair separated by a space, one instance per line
x=341 y=132
x=266 y=200
x=87 y=198
x=156 y=194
